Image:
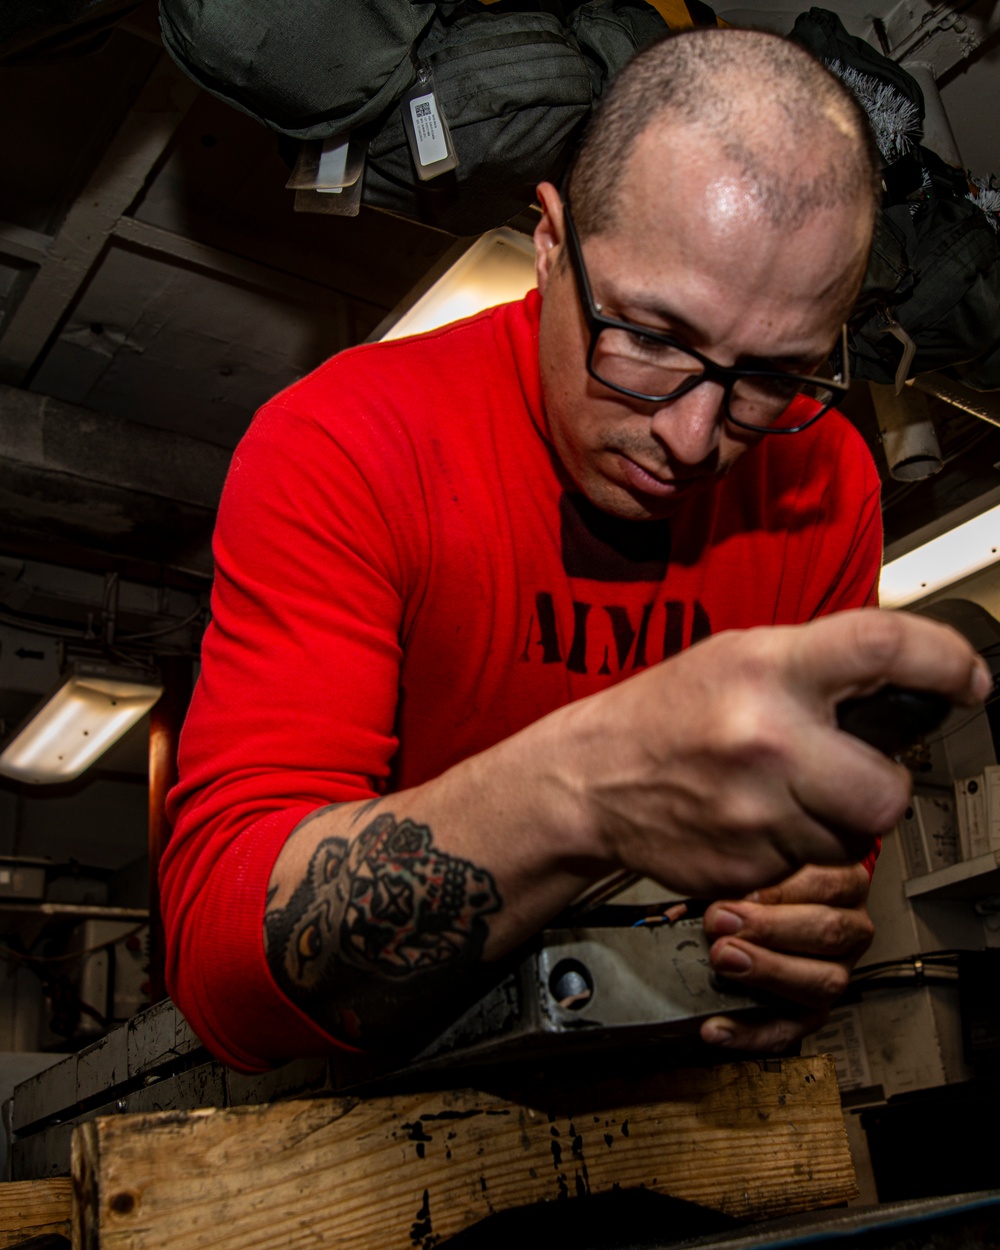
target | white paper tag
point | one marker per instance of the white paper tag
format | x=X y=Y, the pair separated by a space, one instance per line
x=332 y=165
x=427 y=129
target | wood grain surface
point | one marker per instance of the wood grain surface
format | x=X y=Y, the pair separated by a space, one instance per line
x=751 y=1140
x=34 y=1209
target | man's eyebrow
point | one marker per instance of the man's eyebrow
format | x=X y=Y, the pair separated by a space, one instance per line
x=689 y=334
x=677 y=324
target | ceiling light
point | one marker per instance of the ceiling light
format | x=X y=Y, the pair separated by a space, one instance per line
x=497 y=268
x=95 y=704
x=958 y=553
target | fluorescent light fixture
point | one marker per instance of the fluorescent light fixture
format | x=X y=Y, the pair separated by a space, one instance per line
x=497 y=268
x=94 y=706
x=962 y=551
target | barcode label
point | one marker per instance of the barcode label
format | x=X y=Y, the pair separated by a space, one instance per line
x=427 y=129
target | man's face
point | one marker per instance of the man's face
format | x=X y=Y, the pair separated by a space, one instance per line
x=693 y=254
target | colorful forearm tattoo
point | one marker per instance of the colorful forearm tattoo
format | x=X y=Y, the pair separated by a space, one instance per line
x=380 y=927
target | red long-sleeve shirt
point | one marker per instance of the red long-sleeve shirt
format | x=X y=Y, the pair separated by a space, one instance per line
x=405 y=576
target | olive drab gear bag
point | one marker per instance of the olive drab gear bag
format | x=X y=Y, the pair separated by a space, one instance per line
x=931 y=295
x=515 y=83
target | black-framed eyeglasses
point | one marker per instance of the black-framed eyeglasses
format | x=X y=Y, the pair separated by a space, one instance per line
x=654 y=367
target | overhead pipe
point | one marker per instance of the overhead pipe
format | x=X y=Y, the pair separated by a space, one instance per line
x=909 y=440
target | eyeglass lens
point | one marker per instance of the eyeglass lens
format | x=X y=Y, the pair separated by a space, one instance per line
x=647 y=368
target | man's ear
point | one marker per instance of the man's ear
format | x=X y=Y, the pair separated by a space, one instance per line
x=549 y=233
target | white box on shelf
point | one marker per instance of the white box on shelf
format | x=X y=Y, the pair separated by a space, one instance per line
x=928 y=832
x=973 y=817
x=911 y=843
x=991 y=775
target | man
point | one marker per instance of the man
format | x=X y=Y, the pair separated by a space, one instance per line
x=432 y=708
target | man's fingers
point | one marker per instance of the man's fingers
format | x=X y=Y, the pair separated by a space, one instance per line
x=760 y=1034
x=802 y=979
x=798 y=928
x=877 y=796
x=849 y=653
x=846 y=885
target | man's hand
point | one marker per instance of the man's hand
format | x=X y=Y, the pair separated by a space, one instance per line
x=798 y=940
x=723 y=770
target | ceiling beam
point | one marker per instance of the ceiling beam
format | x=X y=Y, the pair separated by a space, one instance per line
x=74 y=481
x=19 y=243
x=118 y=178
x=145 y=237
x=43 y=433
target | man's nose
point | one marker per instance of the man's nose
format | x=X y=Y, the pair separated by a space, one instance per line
x=691 y=425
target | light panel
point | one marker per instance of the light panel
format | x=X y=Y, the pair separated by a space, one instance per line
x=497 y=268
x=77 y=724
x=966 y=549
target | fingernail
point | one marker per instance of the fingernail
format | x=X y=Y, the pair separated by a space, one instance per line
x=725 y=923
x=982 y=685
x=733 y=959
x=716 y=1033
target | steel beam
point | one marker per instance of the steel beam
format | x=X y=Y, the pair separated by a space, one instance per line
x=19 y=243
x=48 y=434
x=74 y=481
x=118 y=178
x=238 y=269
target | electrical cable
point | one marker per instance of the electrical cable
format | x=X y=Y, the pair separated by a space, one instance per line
x=934 y=968
x=933 y=957
x=169 y=629
x=7 y=952
x=48 y=627
x=40 y=625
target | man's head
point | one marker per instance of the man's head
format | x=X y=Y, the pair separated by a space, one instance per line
x=724 y=195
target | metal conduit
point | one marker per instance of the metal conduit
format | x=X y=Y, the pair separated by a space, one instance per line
x=982 y=404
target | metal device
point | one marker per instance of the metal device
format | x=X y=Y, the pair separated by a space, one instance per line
x=604 y=974
x=590 y=985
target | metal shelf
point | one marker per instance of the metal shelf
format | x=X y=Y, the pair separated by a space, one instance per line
x=28 y=920
x=969 y=878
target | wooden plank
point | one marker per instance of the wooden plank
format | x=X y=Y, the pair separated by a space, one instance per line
x=34 y=1209
x=750 y=1140
x=114 y=184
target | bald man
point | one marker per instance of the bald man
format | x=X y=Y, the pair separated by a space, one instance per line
x=569 y=588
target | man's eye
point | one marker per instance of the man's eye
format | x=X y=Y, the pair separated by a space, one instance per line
x=647 y=345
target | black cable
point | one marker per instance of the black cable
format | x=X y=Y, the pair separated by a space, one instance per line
x=169 y=629
x=13 y=956
x=45 y=625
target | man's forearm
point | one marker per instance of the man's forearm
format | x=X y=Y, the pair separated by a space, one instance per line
x=376 y=925
x=379 y=912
